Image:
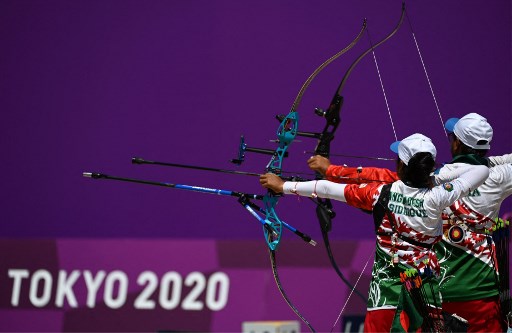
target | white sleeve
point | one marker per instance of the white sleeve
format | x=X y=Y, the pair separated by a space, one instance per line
x=446 y=174
x=501 y=178
x=322 y=188
x=500 y=160
x=456 y=184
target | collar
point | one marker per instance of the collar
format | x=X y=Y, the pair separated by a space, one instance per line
x=472 y=159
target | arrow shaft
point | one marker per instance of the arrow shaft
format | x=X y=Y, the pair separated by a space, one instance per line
x=176 y=186
x=138 y=160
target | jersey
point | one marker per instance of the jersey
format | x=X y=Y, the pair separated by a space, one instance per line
x=417 y=216
x=469 y=270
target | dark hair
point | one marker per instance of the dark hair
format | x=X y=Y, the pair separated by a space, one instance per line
x=417 y=172
x=466 y=150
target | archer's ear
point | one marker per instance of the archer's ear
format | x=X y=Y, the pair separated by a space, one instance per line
x=456 y=146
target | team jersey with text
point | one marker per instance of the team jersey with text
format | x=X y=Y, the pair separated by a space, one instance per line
x=417 y=216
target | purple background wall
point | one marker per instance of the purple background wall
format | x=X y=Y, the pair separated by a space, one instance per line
x=87 y=85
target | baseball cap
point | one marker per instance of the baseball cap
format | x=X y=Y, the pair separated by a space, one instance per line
x=411 y=145
x=472 y=129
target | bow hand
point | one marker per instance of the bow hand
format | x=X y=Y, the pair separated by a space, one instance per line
x=272 y=182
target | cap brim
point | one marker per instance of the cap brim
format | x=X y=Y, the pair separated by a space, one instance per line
x=450 y=124
x=394 y=146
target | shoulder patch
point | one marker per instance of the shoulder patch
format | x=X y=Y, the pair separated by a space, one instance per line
x=448 y=187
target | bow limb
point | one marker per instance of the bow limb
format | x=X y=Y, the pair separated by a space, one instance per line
x=371 y=49
x=306 y=84
x=332 y=115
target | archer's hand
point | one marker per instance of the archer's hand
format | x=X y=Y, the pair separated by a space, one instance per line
x=272 y=182
x=319 y=163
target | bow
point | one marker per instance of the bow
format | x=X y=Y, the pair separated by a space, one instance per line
x=324 y=211
x=286 y=133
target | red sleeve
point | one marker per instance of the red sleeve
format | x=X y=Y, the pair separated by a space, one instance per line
x=350 y=175
x=362 y=196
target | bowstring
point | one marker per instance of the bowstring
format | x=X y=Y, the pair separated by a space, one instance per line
x=351 y=292
x=426 y=73
x=382 y=84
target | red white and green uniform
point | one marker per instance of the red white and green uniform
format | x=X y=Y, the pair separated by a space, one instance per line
x=417 y=212
x=467 y=269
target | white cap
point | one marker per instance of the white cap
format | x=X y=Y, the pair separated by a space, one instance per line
x=411 y=145
x=473 y=130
